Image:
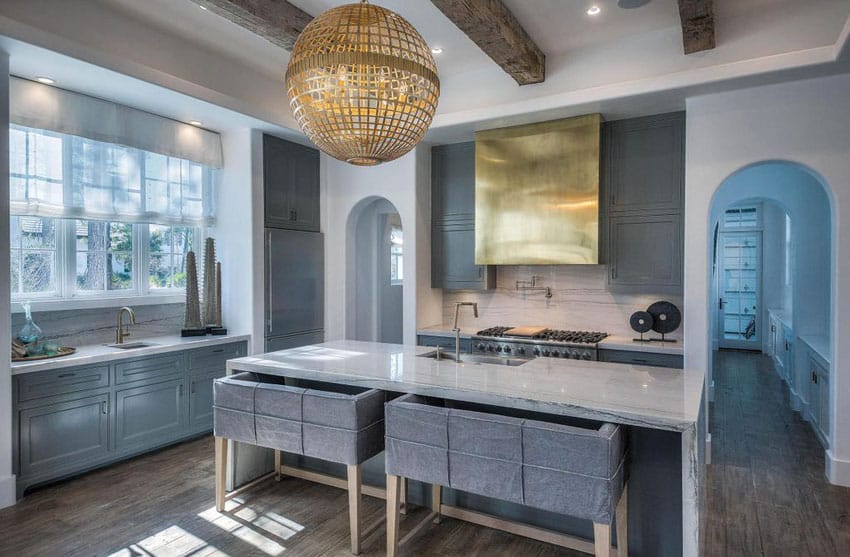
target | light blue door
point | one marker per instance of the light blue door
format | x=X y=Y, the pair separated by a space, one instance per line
x=740 y=290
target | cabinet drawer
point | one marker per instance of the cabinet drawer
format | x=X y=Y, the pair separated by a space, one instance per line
x=148 y=368
x=641 y=358
x=61 y=381
x=214 y=358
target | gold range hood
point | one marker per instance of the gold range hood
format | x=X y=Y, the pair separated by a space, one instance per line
x=537 y=193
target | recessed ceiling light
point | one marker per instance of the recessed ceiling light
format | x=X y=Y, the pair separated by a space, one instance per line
x=45 y=80
x=203 y=8
x=594 y=10
x=196 y=123
x=436 y=50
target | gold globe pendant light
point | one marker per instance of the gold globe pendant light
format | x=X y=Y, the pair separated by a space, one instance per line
x=362 y=84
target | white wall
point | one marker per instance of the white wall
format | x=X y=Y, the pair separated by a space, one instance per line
x=239 y=234
x=344 y=187
x=7 y=479
x=807 y=122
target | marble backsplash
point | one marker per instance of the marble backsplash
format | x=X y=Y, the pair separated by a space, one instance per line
x=97 y=326
x=580 y=301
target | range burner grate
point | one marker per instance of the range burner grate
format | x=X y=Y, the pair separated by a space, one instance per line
x=551 y=335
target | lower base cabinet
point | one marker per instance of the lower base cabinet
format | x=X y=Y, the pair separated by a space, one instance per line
x=674 y=361
x=55 y=436
x=145 y=415
x=62 y=428
x=819 y=400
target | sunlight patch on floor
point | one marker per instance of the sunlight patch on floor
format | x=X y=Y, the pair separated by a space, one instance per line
x=171 y=542
x=234 y=520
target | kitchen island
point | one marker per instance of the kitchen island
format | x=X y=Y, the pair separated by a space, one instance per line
x=662 y=406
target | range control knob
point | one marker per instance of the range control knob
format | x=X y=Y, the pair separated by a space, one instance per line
x=545 y=352
x=481 y=346
x=490 y=347
x=536 y=351
x=586 y=356
x=520 y=350
x=507 y=349
x=556 y=354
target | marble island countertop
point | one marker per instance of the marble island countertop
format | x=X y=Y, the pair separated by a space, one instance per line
x=650 y=397
x=99 y=353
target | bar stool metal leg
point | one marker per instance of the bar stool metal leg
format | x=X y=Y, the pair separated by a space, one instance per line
x=623 y=524
x=602 y=539
x=354 y=483
x=393 y=488
x=220 y=472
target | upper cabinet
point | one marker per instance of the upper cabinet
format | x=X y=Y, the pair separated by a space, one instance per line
x=453 y=221
x=643 y=193
x=644 y=163
x=291 y=185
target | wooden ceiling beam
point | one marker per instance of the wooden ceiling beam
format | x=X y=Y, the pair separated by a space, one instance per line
x=497 y=32
x=277 y=21
x=697 y=18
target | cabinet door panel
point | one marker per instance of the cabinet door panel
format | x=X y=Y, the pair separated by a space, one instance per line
x=63 y=436
x=453 y=179
x=645 y=163
x=150 y=414
x=455 y=268
x=201 y=401
x=646 y=252
x=291 y=185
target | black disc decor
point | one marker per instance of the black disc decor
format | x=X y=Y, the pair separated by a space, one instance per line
x=666 y=318
x=641 y=322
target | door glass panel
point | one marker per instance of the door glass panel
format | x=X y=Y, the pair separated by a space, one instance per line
x=740 y=285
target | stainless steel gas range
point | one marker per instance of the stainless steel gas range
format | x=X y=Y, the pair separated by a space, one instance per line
x=531 y=342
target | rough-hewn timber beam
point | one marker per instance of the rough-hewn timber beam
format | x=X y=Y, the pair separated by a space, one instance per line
x=277 y=21
x=497 y=32
x=697 y=24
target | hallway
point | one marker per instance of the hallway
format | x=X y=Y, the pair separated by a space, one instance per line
x=767 y=490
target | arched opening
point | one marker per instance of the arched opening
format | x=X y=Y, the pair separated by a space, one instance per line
x=374 y=310
x=770 y=277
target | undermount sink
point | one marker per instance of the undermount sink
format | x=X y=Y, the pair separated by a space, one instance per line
x=131 y=345
x=476 y=359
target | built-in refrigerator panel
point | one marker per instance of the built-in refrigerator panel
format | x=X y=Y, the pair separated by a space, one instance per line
x=294 y=288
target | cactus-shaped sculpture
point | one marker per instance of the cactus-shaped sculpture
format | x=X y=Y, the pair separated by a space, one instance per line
x=192 y=319
x=218 y=294
x=210 y=304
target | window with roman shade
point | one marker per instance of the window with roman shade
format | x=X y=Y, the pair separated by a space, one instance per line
x=105 y=199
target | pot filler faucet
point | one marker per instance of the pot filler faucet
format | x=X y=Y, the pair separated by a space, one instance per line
x=456 y=329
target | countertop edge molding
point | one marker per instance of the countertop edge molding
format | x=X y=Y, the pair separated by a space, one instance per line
x=100 y=353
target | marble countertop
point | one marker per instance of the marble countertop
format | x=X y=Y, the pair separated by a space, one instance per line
x=445 y=330
x=614 y=342
x=650 y=397
x=819 y=344
x=98 y=353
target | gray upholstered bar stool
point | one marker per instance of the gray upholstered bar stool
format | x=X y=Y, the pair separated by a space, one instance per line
x=327 y=421
x=565 y=469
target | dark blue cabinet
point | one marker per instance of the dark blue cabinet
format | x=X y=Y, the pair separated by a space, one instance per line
x=453 y=221
x=444 y=342
x=643 y=192
x=69 y=420
x=655 y=359
x=290 y=184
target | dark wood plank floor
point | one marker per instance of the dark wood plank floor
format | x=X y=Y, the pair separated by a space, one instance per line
x=767 y=488
x=767 y=495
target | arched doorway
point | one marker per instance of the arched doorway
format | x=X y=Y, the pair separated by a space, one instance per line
x=374 y=311
x=770 y=277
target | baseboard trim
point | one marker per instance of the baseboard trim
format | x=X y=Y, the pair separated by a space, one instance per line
x=8 y=493
x=837 y=470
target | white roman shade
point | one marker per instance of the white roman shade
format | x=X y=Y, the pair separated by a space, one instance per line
x=74 y=156
x=35 y=105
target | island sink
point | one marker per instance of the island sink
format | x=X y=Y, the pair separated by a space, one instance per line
x=476 y=359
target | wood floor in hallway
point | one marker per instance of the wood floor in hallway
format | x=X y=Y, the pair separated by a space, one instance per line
x=767 y=488
x=767 y=495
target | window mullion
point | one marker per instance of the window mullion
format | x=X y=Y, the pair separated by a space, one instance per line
x=141 y=257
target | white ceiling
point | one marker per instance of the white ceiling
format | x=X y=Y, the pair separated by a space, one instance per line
x=626 y=62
